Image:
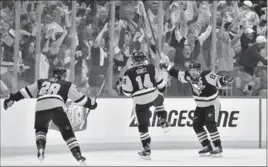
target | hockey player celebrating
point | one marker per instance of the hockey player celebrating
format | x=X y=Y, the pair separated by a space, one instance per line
x=205 y=86
x=52 y=95
x=143 y=82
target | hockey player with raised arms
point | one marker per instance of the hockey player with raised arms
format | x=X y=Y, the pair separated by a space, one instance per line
x=204 y=86
x=144 y=83
x=52 y=95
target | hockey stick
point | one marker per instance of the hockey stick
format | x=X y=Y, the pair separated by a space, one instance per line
x=100 y=90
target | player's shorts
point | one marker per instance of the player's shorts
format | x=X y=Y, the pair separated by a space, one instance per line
x=143 y=112
x=57 y=115
x=206 y=115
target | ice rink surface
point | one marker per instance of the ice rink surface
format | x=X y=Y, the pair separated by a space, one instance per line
x=231 y=157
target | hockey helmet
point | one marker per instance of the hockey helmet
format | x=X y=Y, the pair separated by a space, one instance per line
x=195 y=65
x=59 y=72
x=194 y=70
x=138 y=58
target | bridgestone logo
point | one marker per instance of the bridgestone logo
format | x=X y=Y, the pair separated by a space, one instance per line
x=184 y=118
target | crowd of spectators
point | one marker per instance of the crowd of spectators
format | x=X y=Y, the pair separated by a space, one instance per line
x=241 y=34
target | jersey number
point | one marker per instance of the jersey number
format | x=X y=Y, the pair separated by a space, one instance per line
x=49 y=88
x=146 y=83
x=212 y=76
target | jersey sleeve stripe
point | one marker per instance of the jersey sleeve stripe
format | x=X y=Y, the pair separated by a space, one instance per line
x=218 y=83
x=82 y=100
x=140 y=93
x=161 y=84
x=210 y=98
x=127 y=93
x=158 y=83
x=24 y=93
x=29 y=93
x=49 y=97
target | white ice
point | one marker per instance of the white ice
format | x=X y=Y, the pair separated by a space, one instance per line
x=231 y=157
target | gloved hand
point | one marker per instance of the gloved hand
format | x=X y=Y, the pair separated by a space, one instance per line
x=8 y=103
x=93 y=105
x=119 y=85
x=163 y=65
x=228 y=79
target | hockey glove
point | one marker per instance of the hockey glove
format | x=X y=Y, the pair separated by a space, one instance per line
x=228 y=79
x=93 y=105
x=119 y=86
x=8 y=103
x=163 y=65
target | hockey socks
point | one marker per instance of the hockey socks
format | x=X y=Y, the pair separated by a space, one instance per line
x=146 y=141
x=162 y=115
x=75 y=150
x=161 y=112
x=203 y=138
x=214 y=134
x=215 y=138
x=40 y=144
x=72 y=142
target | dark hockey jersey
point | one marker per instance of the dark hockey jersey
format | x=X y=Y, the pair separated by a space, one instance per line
x=205 y=88
x=142 y=83
x=52 y=94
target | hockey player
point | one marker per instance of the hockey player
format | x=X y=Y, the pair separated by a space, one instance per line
x=204 y=86
x=51 y=96
x=143 y=82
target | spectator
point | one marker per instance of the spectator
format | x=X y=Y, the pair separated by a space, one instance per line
x=252 y=56
x=249 y=17
x=98 y=60
x=186 y=37
x=247 y=80
x=246 y=40
x=101 y=18
x=29 y=56
x=225 y=51
x=52 y=50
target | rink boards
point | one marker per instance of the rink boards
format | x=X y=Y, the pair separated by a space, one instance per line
x=242 y=124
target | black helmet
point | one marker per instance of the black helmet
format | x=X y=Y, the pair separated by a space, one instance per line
x=58 y=72
x=196 y=65
x=138 y=57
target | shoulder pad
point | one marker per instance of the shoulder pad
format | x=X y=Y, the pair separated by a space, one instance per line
x=206 y=72
x=127 y=72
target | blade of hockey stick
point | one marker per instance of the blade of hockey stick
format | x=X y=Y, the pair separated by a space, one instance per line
x=98 y=94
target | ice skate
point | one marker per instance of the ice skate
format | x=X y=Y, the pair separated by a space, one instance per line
x=82 y=161
x=145 y=154
x=217 y=152
x=41 y=154
x=77 y=155
x=205 y=152
x=165 y=125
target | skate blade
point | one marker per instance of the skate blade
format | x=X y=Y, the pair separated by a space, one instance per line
x=41 y=157
x=205 y=155
x=82 y=163
x=146 y=157
x=166 y=130
x=219 y=155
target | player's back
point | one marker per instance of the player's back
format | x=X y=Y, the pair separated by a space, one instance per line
x=140 y=82
x=52 y=93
